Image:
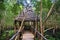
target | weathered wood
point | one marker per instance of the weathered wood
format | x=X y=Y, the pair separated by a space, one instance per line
x=20 y=28
x=39 y=34
x=48 y=29
x=36 y=26
x=41 y=26
x=7 y=35
x=49 y=13
x=17 y=33
x=30 y=14
x=14 y=36
x=22 y=23
x=27 y=36
x=15 y=26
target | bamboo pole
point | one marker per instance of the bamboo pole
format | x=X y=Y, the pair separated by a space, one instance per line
x=21 y=24
x=36 y=25
x=15 y=26
x=48 y=29
x=49 y=13
x=41 y=26
x=39 y=33
x=20 y=28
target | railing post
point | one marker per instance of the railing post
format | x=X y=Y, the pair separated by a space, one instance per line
x=15 y=26
x=7 y=35
x=41 y=24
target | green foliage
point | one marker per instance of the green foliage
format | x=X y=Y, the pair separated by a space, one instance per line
x=46 y=4
x=0 y=16
x=2 y=6
x=12 y=8
x=57 y=6
x=3 y=36
x=11 y=11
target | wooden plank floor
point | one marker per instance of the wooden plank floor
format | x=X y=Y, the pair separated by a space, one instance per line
x=27 y=36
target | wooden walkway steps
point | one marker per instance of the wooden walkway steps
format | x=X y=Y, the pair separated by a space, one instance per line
x=27 y=36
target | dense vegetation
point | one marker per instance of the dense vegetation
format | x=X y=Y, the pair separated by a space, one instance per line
x=9 y=9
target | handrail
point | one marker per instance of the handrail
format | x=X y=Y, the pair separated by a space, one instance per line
x=39 y=34
x=33 y=29
x=19 y=28
x=15 y=35
x=49 y=13
x=49 y=29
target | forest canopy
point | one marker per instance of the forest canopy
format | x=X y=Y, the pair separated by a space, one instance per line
x=9 y=9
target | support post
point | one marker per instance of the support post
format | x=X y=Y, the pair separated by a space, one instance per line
x=7 y=35
x=34 y=28
x=36 y=25
x=15 y=27
x=41 y=26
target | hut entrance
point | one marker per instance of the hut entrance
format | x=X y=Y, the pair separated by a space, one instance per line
x=27 y=26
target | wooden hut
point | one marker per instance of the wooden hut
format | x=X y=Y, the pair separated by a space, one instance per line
x=30 y=18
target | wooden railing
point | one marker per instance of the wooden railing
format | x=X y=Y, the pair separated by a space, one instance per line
x=17 y=33
x=32 y=30
x=39 y=33
x=13 y=37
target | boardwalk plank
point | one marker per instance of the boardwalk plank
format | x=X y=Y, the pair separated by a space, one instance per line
x=27 y=36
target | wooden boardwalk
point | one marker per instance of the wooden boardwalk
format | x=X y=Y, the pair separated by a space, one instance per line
x=27 y=36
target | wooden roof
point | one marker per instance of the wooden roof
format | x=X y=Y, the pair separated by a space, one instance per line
x=29 y=15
